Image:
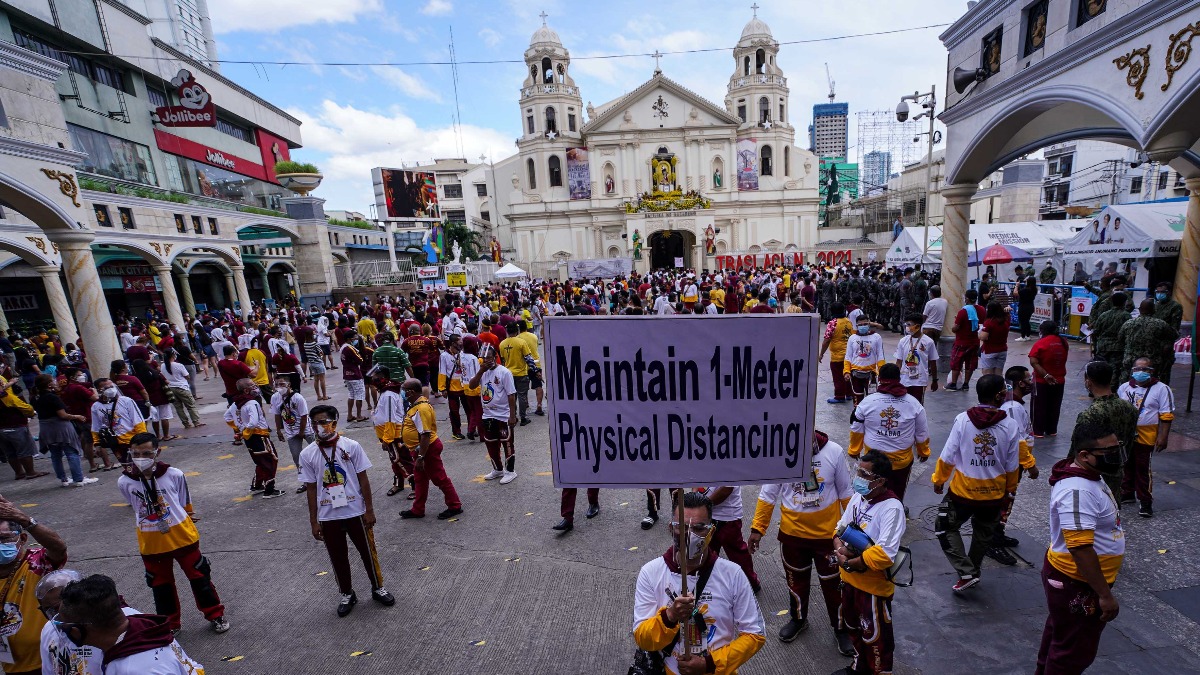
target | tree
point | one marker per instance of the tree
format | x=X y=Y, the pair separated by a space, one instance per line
x=470 y=241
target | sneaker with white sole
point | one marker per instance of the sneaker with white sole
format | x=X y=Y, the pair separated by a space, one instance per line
x=68 y=483
x=219 y=625
x=86 y=481
x=509 y=476
x=493 y=474
x=965 y=583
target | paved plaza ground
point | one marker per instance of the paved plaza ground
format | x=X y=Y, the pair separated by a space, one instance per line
x=496 y=591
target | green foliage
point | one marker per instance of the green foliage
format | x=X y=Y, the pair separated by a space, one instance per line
x=91 y=184
x=359 y=224
x=295 y=167
x=470 y=241
x=262 y=212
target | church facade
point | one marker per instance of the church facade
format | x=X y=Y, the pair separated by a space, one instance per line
x=660 y=175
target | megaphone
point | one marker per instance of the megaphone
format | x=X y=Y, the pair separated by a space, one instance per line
x=963 y=77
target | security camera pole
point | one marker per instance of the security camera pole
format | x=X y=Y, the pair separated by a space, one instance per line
x=928 y=102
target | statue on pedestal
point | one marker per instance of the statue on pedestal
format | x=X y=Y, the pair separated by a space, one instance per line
x=637 y=245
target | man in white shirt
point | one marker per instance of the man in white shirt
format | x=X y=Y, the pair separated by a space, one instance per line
x=498 y=392
x=291 y=420
x=935 y=314
x=917 y=356
x=891 y=421
x=59 y=655
x=1156 y=410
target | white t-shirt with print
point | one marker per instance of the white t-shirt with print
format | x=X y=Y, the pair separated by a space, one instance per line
x=348 y=459
x=914 y=355
x=61 y=657
x=731 y=508
x=169 y=660
x=495 y=386
x=296 y=408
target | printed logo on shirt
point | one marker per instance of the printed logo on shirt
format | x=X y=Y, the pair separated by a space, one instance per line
x=329 y=478
x=985 y=448
x=890 y=417
x=10 y=624
x=67 y=661
x=864 y=349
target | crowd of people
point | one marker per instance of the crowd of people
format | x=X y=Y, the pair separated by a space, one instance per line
x=477 y=352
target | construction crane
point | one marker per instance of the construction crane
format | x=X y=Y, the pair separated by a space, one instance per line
x=831 y=83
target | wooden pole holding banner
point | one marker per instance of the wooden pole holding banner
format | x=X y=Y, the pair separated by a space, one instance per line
x=685 y=623
x=978 y=262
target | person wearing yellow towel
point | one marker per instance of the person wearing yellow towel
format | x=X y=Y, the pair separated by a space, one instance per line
x=980 y=461
x=456 y=372
x=1156 y=411
x=809 y=511
x=893 y=422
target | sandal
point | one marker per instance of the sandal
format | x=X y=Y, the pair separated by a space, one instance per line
x=39 y=474
x=396 y=489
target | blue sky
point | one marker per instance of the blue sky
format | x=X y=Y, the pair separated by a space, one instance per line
x=357 y=117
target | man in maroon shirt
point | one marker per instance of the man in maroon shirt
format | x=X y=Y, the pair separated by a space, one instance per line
x=232 y=370
x=808 y=295
x=78 y=397
x=139 y=350
x=304 y=333
x=131 y=387
x=964 y=356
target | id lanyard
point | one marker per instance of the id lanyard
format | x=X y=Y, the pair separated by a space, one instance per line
x=331 y=463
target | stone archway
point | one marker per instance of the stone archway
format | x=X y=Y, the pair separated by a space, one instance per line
x=668 y=245
x=235 y=279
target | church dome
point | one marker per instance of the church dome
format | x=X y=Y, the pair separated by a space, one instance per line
x=545 y=35
x=756 y=28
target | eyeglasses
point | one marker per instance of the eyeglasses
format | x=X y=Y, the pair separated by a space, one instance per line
x=324 y=423
x=867 y=474
x=699 y=529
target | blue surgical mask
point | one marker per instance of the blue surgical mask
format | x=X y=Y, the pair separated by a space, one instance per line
x=863 y=330
x=9 y=552
x=861 y=485
x=1161 y=297
x=1141 y=377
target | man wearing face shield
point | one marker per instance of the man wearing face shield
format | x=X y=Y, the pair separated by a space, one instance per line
x=1156 y=410
x=21 y=568
x=116 y=419
x=59 y=654
x=91 y=614
x=166 y=532
x=720 y=610
x=1087 y=547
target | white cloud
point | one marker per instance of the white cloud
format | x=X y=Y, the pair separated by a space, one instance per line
x=410 y=85
x=437 y=8
x=350 y=142
x=490 y=37
x=271 y=16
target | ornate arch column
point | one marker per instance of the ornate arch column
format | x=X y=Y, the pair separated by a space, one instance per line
x=954 y=240
x=87 y=297
x=59 y=307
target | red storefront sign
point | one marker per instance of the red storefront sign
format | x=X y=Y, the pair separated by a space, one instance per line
x=139 y=285
x=273 y=148
x=749 y=261
x=177 y=145
x=196 y=108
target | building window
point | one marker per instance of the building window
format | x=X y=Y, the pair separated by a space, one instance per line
x=102 y=218
x=760 y=61
x=110 y=76
x=742 y=112
x=570 y=122
x=555 y=167
x=781 y=118
x=989 y=52
x=1065 y=165
x=746 y=67
x=180 y=225
x=197 y=225
x=157 y=98
x=481 y=189
x=126 y=216
x=764 y=110
x=529 y=124
x=452 y=190
x=1087 y=10
x=547 y=71
x=1162 y=180
x=531 y=171
x=1135 y=185
x=230 y=129
x=212 y=226
x=551 y=119
x=787 y=160
x=766 y=161
x=485 y=215
x=1036 y=16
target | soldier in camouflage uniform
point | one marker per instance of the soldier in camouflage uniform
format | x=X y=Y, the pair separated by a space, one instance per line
x=920 y=288
x=1146 y=337
x=1106 y=346
x=1171 y=312
x=1109 y=410
x=1103 y=303
x=1048 y=275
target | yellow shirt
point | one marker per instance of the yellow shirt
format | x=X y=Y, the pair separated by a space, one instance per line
x=367 y=328
x=718 y=297
x=255 y=357
x=512 y=351
x=28 y=620
x=155 y=334
x=420 y=419
x=532 y=341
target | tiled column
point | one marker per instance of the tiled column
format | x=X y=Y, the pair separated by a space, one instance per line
x=954 y=241
x=87 y=297
x=169 y=296
x=59 y=307
x=1184 y=291
x=242 y=293
x=185 y=288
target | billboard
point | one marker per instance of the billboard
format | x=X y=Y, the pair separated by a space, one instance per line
x=401 y=193
x=747 y=164
x=579 y=173
x=729 y=402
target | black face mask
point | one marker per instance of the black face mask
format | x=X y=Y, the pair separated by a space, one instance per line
x=1108 y=464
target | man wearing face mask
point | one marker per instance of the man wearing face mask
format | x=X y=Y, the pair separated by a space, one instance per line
x=1156 y=410
x=21 y=568
x=1087 y=547
x=59 y=654
x=891 y=421
x=916 y=356
x=91 y=614
x=1109 y=410
x=334 y=469
x=1171 y=313
x=388 y=419
x=865 y=612
x=251 y=422
x=166 y=532
x=115 y=420
x=1019 y=384
x=291 y=418
x=498 y=394
x=864 y=358
x=981 y=461
x=719 y=610
x=419 y=435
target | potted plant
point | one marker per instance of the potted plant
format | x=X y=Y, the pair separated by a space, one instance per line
x=299 y=177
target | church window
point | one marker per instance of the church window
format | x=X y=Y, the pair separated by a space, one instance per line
x=533 y=73
x=760 y=60
x=555 y=166
x=764 y=110
x=746 y=66
x=742 y=112
x=529 y=123
x=787 y=161
x=551 y=122
x=532 y=170
x=570 y=122
x=781 y=118
x=765 y=163
x=547 y=71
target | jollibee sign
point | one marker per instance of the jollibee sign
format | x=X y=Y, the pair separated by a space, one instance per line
x=195 y=108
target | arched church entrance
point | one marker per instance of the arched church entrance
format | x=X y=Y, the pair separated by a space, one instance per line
x=669 y=246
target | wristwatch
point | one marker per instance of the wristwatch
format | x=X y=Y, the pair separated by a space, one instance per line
x=32 y=524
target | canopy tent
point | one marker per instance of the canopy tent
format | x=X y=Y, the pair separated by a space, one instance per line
x=906 y=250
x=998 y=254
x=1038 y=239
x=511 y=271
x=1131 y=231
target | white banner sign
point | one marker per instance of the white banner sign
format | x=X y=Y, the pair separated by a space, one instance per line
x=1081 y=306
x=428 y=272
x=1043 y=308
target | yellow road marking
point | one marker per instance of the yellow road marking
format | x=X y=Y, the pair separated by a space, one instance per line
x=544 y=473
x=479 y=643
x=119 y=504
x=28 y=506
x=781 y=612
x=321 y=574
x=632 y=548
x=243 y=499
x=232 y=659
x=229 y=456
x=289 y=467
x=192 y=474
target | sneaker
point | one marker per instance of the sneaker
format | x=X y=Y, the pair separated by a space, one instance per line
x=509 y=476
x=1005 y=541
x=649 y=521
x=493 y=474
x=272 y=493
x=349 y=600
x=458 y=437
x=845 y=643
x=835 y=400
x=219 y=625
x=256 y=488
x=301 y=489
x=68 y=483
x=1146 y=511
x=539 y=413
x=86 y=481
x=964 y=583
x=38 y=455
x=382 y=596
x=470 y=435
x=951 y=387
x=525 y=420
x=792 y=629
x=1001 y=555
x=1128 y=499
x=408 y=514
x=593 y=510
x=564 y=525
x=449 y=513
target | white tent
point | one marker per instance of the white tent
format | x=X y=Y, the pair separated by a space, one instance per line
x=511 y=271
x=1132 y=234
x=1041 y=240
x=906 y=250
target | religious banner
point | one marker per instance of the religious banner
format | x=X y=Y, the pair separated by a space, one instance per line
x=747 y=164
x=731 y=402
x=579 y=173
x=604 y=268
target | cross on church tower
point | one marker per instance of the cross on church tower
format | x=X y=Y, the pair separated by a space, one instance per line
x=657 y=65
x=755 y=8
x=543 y=15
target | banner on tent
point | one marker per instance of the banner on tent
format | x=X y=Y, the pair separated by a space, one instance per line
x=733 y=404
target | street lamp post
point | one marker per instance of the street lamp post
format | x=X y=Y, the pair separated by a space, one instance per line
x=928 y=101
